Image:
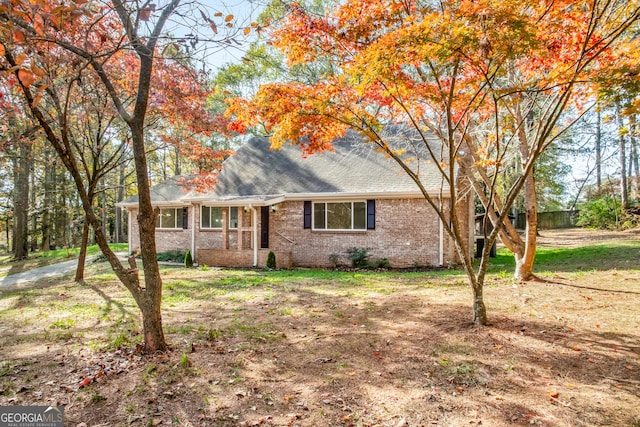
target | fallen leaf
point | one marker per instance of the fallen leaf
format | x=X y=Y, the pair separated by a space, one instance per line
x=576 y=349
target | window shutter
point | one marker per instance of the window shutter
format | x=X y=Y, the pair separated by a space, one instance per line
x=307 y=214
x=185 y=218
x=371 y=214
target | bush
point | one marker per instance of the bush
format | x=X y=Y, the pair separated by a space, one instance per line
x=606 y=213
x=271 y=260
x=359 y=257
x=188 y=260
x=172 y=256
x=380 y=263
x=603 y=213
x=334 y=259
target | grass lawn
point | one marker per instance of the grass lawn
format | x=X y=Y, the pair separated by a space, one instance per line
x=340 y=348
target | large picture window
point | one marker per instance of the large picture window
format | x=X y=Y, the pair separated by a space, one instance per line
x=169 y=218
x=340 y=216
x=211 y=217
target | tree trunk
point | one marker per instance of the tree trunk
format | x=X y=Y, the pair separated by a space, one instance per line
x=21 y=200
x=526 y=253
x=634 y=162
x=525 y=259
x=33 y=214
x=177 y=170
x=120 y=197
x=479 y=309
x=624 y=187
x=46 y=203
x=151 y=299
x=598 y=150
x=152 y=324
x=82 y=256
x=61 y=212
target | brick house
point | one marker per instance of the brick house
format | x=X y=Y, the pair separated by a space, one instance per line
x=308 y=210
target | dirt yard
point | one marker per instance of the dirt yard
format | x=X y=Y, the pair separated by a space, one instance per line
x=325 y=348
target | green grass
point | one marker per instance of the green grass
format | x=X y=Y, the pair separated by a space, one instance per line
x=61 y=254
x=40 y=259
x=611 y=256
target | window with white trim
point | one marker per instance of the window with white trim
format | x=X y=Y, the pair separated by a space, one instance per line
x=340 y=216
x=211 y=217
x=169 y=218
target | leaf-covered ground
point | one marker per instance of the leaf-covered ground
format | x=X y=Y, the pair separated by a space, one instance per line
x=325 y=348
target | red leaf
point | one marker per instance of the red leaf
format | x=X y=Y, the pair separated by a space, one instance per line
x=214 y=27
x=145 y=14
x=18 y=37
x=21 y=58
x=26 y=77
x=36 y=100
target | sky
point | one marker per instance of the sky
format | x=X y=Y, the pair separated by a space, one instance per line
x=228 y=44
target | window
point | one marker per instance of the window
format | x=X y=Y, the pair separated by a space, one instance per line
x=169 y=218
x=340 y=216
x=211 y=217
x=233 y=217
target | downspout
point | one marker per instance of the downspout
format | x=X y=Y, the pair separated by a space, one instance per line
x=129 y=227
x=440 y=238
x=193 y=234
x=254 y=237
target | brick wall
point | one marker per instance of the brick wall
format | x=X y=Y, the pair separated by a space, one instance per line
x=241 y=258
x=407 y=234
x=166 y=239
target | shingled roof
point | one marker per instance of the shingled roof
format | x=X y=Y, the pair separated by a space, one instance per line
x=263 y=176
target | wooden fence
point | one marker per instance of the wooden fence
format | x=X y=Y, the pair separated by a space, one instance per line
x=547 y=220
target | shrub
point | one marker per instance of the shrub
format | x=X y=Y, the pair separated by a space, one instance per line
x=602 y=213
x=334 y=259
x=271 y=260
x=188 y=260
x=173 y=255
x=359 y=257
x=380 y=263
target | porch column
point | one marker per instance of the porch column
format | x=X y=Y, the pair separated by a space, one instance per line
x=225 y=228
x=240 y=227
